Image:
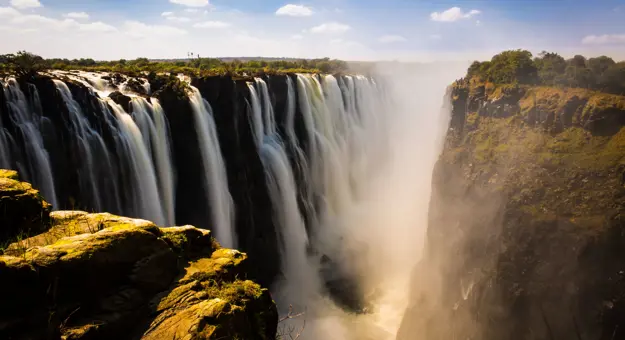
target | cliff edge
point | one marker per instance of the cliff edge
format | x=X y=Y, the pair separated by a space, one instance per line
x=526 y=234
x=100 y=276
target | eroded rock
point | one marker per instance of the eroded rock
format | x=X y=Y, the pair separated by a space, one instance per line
x=23 y=212
x=100 y=276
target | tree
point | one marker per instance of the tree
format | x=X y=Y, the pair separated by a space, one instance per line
x=550 y=66
x=577 y=74
x=613 y=79
x=599 y=65
x=23 y=64
x=514 y=66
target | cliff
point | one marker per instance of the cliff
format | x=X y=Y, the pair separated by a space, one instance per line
x=526 y=234
x=100 y=276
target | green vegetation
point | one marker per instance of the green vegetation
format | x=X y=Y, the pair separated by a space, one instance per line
x=25 y=63
x=550 y=69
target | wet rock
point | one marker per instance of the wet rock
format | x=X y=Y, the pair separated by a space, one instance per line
x=121 y=99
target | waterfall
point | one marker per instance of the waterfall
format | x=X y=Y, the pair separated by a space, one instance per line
x=215 y=178
x=345 y=199
x=89 y=144
x=152 y=123
x=5 y=161
x=27 y=122
x=146 y=193
x=300 y=280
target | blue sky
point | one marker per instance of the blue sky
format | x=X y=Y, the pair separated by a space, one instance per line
x=348 y=29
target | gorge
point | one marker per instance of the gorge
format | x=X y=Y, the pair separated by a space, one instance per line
x=387 y=206
x=315 y=177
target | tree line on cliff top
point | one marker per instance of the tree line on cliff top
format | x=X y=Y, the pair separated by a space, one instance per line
x=550 y=69
x=23 y=63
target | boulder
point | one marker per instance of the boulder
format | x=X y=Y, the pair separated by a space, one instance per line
x=23 y=212
x=125 y=278
x=121 y=99
x=136 y=86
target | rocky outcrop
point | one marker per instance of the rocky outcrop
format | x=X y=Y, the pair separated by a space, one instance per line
x=121 y=99
x=23 y=212
x=553 y=109
x=100 y=276
x=526 y=230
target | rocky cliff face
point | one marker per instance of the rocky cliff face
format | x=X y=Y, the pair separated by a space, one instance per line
x=526 y=237
x=100 y=276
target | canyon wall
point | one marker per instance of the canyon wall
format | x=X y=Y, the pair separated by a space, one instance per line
x=526 y=236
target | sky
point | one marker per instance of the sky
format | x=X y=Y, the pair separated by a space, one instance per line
x=404 y=30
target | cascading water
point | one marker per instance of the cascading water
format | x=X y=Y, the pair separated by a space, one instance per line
x=300 y=281
x=215 y=179
x=27 y=121
x=5 y=161
x=153 y=126
x=91 y=149
x=358 y=181
x=348 y=179
x=146 y=194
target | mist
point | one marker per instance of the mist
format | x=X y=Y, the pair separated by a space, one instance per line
x=377 y=235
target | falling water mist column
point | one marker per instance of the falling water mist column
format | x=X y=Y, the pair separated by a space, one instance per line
x=300 y=283
x=146 y=196
x=27 y=121
x=215 y=179
x=152 y=123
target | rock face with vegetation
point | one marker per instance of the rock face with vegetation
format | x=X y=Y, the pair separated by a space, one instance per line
x=23 y=211
x=100 y=276
x=526 y=237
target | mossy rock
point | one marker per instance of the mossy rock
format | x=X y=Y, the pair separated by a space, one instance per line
x=72 y=223
x=123 y=277
x=23 y=212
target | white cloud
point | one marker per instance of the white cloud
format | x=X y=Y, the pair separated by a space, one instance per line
x=436 y=37
x=212 y=24
x=97 y=26
x=138 y=29
x=453 y=14
x=36 y=22
x=191 y=10
x=605 y=39
x=297 y=37
x=387 y=39
x=25 y=3
x=331 y=27
x=77 y=15
x=36 y=19
x=345 y=43
x=294 y=11
x=178 y=19
x=8 y=12
x=190 y=3
x=166 y=14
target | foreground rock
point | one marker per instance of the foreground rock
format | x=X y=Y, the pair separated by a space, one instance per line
x=526 y=238
x=121 y=278
x=23 y=212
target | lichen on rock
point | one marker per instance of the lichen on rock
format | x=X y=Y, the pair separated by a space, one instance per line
x=23 y=212
x=525 y=221
x=101 y=276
